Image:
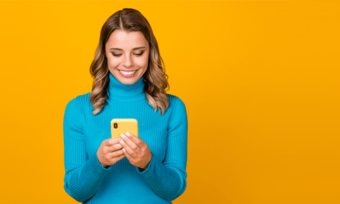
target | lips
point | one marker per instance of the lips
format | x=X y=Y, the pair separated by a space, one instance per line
x=128 y=73
x=127 y=70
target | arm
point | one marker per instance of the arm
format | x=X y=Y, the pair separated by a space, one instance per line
x=168 y=178
x=82 y=174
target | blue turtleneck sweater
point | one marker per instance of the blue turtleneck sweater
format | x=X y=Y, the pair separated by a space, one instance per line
x=87 y=181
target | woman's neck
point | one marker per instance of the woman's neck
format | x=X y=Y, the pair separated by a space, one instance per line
x=125 y=92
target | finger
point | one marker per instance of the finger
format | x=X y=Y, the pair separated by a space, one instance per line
x=130 y=158
x=138 y=141
x=115 y=147
x=128 y=150
x=112 y=141
x=116 y=154
x=116 y=159
x=130 y=143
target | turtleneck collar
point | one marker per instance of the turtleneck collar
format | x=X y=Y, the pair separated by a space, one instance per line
x=125 y=92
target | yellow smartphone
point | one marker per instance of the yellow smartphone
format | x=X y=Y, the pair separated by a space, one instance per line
x=123 y=125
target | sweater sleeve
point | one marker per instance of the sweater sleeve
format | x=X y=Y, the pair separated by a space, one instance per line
x=168 y=178
x=83 y=172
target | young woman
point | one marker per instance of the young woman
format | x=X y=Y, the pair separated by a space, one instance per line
x=129 y=82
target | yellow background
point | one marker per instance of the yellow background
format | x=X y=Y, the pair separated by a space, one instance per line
x=260 y=81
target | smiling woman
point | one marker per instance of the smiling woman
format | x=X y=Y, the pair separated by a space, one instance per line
x=127 y=43
x=129 y=83
x=127 y=63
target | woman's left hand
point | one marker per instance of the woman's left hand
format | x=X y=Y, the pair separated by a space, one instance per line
x=136 y=150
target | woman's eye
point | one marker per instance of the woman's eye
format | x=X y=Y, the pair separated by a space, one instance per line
x=139 y=54
x=117 y=55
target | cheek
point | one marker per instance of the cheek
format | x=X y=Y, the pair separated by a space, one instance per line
x=142 y=61
x=112 y=62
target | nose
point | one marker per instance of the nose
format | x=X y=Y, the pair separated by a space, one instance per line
x=127 y=61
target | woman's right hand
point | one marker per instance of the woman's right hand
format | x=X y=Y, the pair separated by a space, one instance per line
x=110 y=152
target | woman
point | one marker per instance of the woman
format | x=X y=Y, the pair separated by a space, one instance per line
x=129 y=82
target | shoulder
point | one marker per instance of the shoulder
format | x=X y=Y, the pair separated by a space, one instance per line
x=178 y=112
x=79 y=101
x=174 y=98
x=75 y=110
x=175 y=101
x=84 y=99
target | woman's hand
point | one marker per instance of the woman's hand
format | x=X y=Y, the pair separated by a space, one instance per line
x=110 y=152
x=136 y=150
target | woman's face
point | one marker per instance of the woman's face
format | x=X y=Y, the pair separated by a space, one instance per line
x=129 y=52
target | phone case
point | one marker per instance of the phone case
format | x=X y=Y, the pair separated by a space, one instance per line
x=124 y=125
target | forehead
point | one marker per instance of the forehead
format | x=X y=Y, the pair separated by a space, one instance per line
x=126 y=40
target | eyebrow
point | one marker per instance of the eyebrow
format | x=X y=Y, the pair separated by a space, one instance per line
x=115 y=48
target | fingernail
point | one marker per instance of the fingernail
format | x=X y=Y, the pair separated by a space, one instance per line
x=121 y=141
x=128 y=134
x=123 y=136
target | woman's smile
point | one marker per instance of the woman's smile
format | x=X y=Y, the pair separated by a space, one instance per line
x=127 y=73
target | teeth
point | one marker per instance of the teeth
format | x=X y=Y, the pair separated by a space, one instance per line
x=127 y=73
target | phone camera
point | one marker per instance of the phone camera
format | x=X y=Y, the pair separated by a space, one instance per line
x=115 y=125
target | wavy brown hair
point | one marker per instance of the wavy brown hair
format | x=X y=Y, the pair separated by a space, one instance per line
x=155 y=79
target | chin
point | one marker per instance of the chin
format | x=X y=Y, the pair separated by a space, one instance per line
x=128 y=83
x=123 y=80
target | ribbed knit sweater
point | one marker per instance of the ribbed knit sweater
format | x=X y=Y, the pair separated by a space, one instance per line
x=87 y=181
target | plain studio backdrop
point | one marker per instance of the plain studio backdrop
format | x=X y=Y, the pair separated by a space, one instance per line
x=260 y=81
